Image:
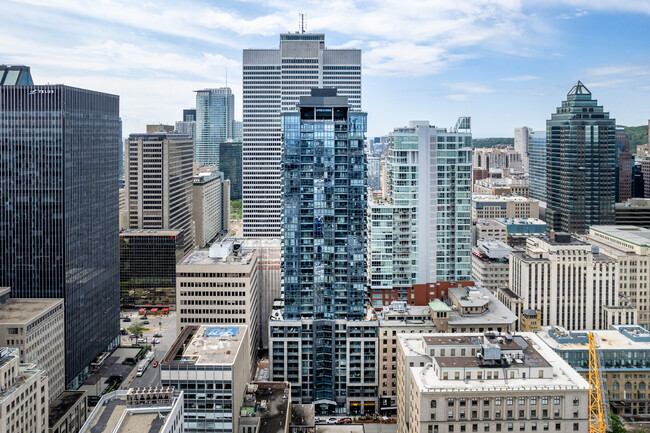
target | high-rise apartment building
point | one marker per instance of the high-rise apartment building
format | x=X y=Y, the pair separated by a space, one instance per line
x=273 y=81
x=422 y=232
x=580 y=164
x=159 y=183
x=522 y=144
x=58 y=183
x=215 y=113
x=324 y=259
x=537 y=165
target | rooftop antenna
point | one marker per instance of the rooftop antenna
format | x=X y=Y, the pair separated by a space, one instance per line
x=302 y=22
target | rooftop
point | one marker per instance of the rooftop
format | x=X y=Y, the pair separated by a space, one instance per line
x=500 y=198
x=137 y=232
x=22 y=310
x=62 y=405
x=496 y=313
x=206 y=345
x=616 y=339
x=226 y=252
x=633 y=234
x=268 y=401
x=634 y=203
x=520 y=221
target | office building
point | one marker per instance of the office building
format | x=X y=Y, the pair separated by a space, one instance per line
x=59 y=228
x=497 y=158
x=580 y=164
x=189 y=115
x=415 y=240
x=638 y=187
x=487 y=382
x=573 y=284
x=211 y=365
x=511 y=185
x=537 y=165
x=215 y=113
x=68 y=413
x=492 y=207
x=266 y=408
x=210 y=206
x=635 y=212
x=36 y=328
x=23 y=395
x=148 y=267
x=520 y=229
x=491 y=230
x=159 y=183
x=624 y=164
x=220 y=286
x=522 y=144
x=624 y=361
x=154 y=410
x=645 y=170
x=230 y=156
x=324 y=259
x=629 y=246
x=491 y=264
x=417 y=294
x=237 y=130
x=15 y=75
x=273 y=81
x=124 y=209
x=530 y=320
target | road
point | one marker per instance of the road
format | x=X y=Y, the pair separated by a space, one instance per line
x=163 y=325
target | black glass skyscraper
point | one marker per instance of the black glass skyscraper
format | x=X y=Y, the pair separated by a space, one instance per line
x=59 y=219
x=580 y=164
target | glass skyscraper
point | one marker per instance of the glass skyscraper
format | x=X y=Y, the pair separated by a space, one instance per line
x=324 y=260
x=215 y=112
x=59 y=220
x=580 y=164
x=537 y=165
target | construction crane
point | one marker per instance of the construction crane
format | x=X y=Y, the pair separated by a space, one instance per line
x=597 y=422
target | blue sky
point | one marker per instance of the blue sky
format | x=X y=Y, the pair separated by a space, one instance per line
x=506 y=63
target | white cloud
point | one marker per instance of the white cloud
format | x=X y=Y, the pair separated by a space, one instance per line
x=521 y=78
x=463 y=90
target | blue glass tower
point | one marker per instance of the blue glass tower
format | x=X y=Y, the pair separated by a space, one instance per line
x=537 y=164
x=324 y=209
x=215 y=110
x=59 y=220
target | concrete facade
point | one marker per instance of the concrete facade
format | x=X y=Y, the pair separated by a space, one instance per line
x=490 y=207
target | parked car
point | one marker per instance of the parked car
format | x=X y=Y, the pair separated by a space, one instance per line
x=157 y=335
x=126 y=319
x=155 y=364
x=155 y=341
x=345 y=421
x=332 y=420
x=146 y=322
x=317 y=420
x=141 y=341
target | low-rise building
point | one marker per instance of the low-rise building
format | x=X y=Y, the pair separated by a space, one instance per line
x=487 y=382
x=68 y=413
x=152 y=410
x=23 y=395
x=475 y=309
x=491 y=264
x=416 y=294
x=520 y=229
x=211 y=364
x=490 y=229
x=624 y=363
x=491 y=206
x=511 y=185
x=36 y=328
x=220 y=286
x=266 y=408
x=629 y=247
x=530 y=320
x=634 y=212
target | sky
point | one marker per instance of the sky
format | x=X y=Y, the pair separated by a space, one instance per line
x=505 y=63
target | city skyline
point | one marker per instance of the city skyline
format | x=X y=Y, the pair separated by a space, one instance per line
x=503 y=63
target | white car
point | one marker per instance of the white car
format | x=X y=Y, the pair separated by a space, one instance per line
x=332 y=420
x=156 y=341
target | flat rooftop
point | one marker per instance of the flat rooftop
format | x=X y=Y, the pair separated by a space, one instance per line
x=136 y=232
x=496 y=312
x=206 y=345
x=268 y=401
x=632 y=234
x=23 y=310
x=62 y=405
x=227 y=252
x=500 y=198
x=579 y=340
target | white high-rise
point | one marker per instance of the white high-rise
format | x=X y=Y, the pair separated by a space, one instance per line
x=273 y=81
x=521 y=143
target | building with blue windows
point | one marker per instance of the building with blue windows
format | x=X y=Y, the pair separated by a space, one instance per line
x=323 y=333
x=537 y=165
x=215 y=113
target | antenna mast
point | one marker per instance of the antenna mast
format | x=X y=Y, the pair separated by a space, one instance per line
x=302 y=22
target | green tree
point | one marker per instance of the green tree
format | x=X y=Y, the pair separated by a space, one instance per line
x=617 y=424
x=136 y=329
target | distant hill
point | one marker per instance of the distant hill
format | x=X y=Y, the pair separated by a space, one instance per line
x=491 y=142
x=637 y=135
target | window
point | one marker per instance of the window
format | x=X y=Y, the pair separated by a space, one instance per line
x=509 y=401
x=556 y=400
x=433 y=416
x=533 y=400
x=576 y=401
x=544 y=400
x=450 y=402
x=522 y=400
x=522 y=426
x=497 y=401
x=558 y=426
x=575 y=414
x=576 y=426
x=434 y=404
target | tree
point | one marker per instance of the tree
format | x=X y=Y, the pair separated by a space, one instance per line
x=136 y=328
x=617 y=424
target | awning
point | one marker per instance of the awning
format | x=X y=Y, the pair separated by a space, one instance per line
x=165 y=309
x=154 y=309
x=141 y=309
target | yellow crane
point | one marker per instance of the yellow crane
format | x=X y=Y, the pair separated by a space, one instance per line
x=597 y=422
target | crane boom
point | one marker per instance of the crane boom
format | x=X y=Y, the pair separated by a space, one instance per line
x=596 y=416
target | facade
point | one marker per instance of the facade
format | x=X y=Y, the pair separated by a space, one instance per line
x=60 y=236
x=511 y=185
x=522 y=144
x=520 y=229
x=571 y=283
x=530 y=320
x=645 y=169
x=491 y=264
x=498 y=382
x=211 y=365
x=624 y=363
x=186 y=128
x=148 y=267
x=490 y=229
x=635 y=212
x=23 y=395
x=124 y=209
x=15 y=75
x=497 y=158
x=580 y=164
x=629 y=246
x=415 y=240
x=417 y=294
x=491 y=207
x=159 y=183
x=624 y=164
x=324 y=258
x=537 y=165
x=230 y=156
x=220 y=286
x=210 y=206
x=36 y=328
x=215 y=113
x=154 y=410
x=273 y=81
x=68 y=413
